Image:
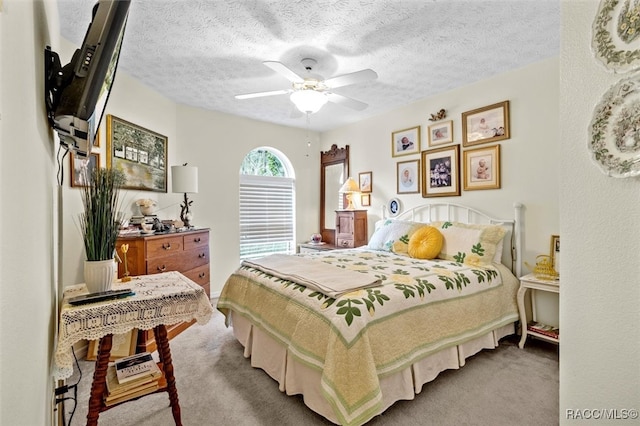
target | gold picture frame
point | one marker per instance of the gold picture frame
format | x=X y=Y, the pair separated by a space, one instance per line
x=365 y=200
x=408 y=177
x=405 y=142
x=486 y=124
x=554 y=252
x=81 y=168
x=139 y=153
x=365 y=182
x=441 y=133
x=482 y=168
x=122 y=345
x=441 y=172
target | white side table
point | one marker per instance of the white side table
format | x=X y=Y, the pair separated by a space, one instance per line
x=531 y=282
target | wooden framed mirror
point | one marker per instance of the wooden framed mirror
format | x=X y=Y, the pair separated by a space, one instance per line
x=334 y=170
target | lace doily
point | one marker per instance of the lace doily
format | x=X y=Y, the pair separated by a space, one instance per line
x=167 y=298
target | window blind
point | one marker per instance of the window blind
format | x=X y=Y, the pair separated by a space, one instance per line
x=266 y=216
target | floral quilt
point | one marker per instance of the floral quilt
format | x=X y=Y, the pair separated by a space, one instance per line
x=421 y=307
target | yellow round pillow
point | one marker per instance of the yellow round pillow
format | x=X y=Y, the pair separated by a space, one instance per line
x=425 y=243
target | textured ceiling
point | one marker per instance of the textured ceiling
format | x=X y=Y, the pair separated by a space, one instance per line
x=203 y=52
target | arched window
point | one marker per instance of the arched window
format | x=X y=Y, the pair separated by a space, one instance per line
x=267 y=204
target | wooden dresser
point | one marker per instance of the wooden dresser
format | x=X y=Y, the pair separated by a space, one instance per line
x=186 y=252
x=351 y=228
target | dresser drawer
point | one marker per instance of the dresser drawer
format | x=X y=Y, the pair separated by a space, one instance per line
x=198 y=240
x=200 y=275
x=344 y=243
x=164 y=246
x=183 y=261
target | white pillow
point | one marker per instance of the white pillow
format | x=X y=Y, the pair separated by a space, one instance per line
x=390 y=232
x=470 y=243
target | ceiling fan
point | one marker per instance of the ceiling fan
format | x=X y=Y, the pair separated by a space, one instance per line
x=310 y=93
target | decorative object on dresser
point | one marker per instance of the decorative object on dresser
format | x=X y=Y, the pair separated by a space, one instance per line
x=349 y=187
x=441 y=172
x=555 y=253
x=139 y=153
x=405 y=142
x=486 y=124
x=100 y=225
x=186 y=252
x=147 y=206
x=408 y=177
x=351 y=228
x=185 y=179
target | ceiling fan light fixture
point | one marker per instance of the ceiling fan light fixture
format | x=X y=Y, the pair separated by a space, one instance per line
x=309 y=100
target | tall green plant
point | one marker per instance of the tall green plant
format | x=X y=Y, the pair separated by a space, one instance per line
x=101 y=220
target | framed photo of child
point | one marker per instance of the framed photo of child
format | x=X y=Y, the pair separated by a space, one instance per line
x=405 y=142
x=441 y=172
x=482 y=168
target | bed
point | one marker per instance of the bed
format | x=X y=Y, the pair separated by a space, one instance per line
x=373 y=324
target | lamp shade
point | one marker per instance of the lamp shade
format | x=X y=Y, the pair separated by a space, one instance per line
x=349 y=186
x=308 y=100
x=184 y=179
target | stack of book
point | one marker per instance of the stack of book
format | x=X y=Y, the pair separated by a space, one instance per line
x=544 y=329
x=133 y=377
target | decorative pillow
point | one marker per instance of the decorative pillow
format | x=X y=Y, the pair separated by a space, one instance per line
x=470 y=243
x=392 y=235
x=425 y=243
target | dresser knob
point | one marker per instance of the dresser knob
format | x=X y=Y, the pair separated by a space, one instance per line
x=202 y=255
x=202 y=275
x=166 y=246
x=162 y=269
x=196 y=240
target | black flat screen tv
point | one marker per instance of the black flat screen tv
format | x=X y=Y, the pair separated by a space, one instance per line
x=76 y=94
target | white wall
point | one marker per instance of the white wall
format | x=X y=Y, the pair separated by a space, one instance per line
x=28 y=200
x=529 y=158
x=599 y=217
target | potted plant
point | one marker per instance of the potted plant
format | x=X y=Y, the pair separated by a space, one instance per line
x=100 y=224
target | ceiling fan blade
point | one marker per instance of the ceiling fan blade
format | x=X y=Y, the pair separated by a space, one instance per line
x=345 y=101
x=261 y=94
x=352 y=78
x=284 y=71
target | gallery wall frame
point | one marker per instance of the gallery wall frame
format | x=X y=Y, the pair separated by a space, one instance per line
x=487 y=124
x=365 y=182
x=82 y=168
x=139 y=153
x=405 y=142
x=441 y=172
x=482 y=168
x=408 y=177
x=365 y=200
x=441 y=133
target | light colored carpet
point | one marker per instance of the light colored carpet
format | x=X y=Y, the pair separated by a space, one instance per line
x=218 y=386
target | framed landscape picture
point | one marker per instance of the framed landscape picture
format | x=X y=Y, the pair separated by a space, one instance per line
x=139 y=153
x=441 y=172
x=405 y=142
x=482 y=168
x=486 y=124
x=441 y=133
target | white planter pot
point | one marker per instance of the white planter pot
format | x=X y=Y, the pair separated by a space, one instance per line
x=99 y=274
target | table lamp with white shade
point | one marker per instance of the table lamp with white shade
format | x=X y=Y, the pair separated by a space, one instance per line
x=349 y=187
x=185 y=179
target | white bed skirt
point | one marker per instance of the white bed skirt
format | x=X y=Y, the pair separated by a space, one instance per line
x=296 y=378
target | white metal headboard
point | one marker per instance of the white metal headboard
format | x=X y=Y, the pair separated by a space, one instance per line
x=457 y=212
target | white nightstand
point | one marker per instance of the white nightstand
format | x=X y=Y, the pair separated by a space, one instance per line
x=533 y=283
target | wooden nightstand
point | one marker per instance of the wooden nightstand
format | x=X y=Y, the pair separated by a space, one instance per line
x=351 y=228
x=310 y=248
x=531 y=282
